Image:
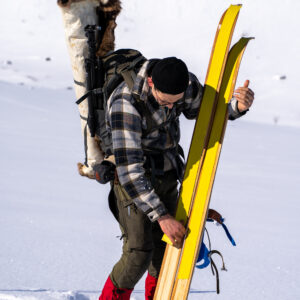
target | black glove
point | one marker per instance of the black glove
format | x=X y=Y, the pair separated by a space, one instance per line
x=105 y=171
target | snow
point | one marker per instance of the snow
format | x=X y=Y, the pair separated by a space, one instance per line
x=58 y=238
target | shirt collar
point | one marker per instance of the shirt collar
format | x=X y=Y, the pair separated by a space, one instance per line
x=141 y=87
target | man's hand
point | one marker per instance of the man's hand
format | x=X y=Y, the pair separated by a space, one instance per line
x=173 y=229
x=244 y=96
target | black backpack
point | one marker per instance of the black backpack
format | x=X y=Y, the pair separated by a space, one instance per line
x=104 y=74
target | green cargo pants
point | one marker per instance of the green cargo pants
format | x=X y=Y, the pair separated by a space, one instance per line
x=142 y=246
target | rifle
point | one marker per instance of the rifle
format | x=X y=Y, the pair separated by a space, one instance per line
x=94 y=77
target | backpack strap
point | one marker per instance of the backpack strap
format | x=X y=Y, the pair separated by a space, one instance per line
x=155 y=159
x=142 y=109
x=128 y=73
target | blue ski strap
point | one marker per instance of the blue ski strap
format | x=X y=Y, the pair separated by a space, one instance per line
x=226 y=231
x=228 y=234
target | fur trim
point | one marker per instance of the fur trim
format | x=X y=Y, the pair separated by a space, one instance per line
x=85 y=171
x=107 y=20
x=111 y=159
x=67 y=3
x=107 y=11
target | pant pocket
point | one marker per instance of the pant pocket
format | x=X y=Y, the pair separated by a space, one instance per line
x=137 y=226
x=122 y=196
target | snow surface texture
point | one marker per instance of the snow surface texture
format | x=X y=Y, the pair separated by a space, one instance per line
x=58 y=238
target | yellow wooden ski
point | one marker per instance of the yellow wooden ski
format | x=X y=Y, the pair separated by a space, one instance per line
x=198 y=145
x=191 y=247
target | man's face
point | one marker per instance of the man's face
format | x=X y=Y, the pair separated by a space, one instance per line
x=166 y=99
x=163 y=99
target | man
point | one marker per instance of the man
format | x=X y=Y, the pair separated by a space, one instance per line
x=144 y=124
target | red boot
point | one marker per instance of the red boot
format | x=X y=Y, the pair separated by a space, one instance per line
x=150 y=285
x=111 y=292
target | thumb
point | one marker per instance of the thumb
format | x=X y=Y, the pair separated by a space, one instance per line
x=246 y=83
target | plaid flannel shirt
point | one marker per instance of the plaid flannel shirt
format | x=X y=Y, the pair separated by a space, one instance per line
x=126 y=125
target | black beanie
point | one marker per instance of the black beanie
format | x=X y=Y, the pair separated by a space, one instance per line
x=170 y=75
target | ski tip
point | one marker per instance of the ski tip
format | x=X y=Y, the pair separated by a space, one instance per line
x=234 y=9
x=245 y=39
x=248 y=37
x=236 y=5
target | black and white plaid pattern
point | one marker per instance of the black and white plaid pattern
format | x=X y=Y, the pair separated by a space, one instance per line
x=126 y=124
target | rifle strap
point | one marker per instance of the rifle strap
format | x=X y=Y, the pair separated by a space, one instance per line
x=79 y=83
x=83 y=118
x=97 y=91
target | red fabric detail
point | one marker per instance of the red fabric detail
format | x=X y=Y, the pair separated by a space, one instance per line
x=150 y=285
x=97 y=176
x=111 y=292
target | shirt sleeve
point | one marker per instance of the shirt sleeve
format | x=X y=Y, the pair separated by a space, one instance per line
x=126 y=130
x=233 y=111
x=193 y=97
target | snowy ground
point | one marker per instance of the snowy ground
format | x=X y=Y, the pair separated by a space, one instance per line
x=56 y=233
